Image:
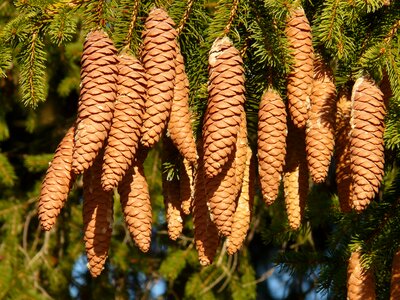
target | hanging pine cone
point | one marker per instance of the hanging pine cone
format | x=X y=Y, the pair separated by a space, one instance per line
x=179 y=125
x=321 y=122
x=395 y=280
x=360 y=282
x=241 y=152
x=158 y=56
x=57 y=182
x=125 y=129
x=298 y=32
x=186 y=187
x=96 y=100
x=97 y=218
x=224 y=107
x=366 y=141
x=342 y=151
x=272 y=132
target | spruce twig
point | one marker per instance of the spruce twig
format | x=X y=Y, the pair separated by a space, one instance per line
x=232 y=15
x=185 y=17
x=135 y=10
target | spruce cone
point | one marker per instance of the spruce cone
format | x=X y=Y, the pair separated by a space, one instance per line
x=360 y=282
x=224 y=107
x=321 y=122
x=136 y=205
x=159 y=54
x=179 y=125
x=205 y=232
x=97 y=218
x=395 y=281
x=366 y=141
x=272 y=132
x=241 y=152
x=342 y=152
x=295 y=177
x=298 y=32
x=125 y=129
x=186 y=187
x=57 y=182
x=96 y=100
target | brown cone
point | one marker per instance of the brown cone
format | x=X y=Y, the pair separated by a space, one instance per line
x=124 y=134
x=342 y=151
x=321 y=122
x=57 y=182
x=136 y=205
x=96 y=100
x=395 y=280
x=298 y=32
x=179 y=125
x=360 y=282
x=205 y=232
x=272 y=132
x=295 y=176
x=241 y=152
x=186 y=186
x=366 y=141
x=224 y=107
x=97 y=218
x=158 y=56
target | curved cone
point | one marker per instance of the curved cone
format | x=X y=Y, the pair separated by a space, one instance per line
x=360 y=282
x=186 y=186
x=395 y=280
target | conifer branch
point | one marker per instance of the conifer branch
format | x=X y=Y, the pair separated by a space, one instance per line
x=232 y=15
x=185 y=17
x=135 y=10
x=99 y=13
x=392 y=32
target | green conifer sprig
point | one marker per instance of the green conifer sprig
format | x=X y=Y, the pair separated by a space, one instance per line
x=7 y=173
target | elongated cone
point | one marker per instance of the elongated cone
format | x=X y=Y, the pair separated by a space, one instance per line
x=342 y=151
x=96 y=99
x=136 y=205
x=57 y=182
x=395 y=280
x=360 y=282
x=124 y=134
x=158 y=57
x=298 y=32
x=241 y=152
x=272 y=132
x=295 y=176
x=97 y=218
x=179 y=125
x=241 y=218
x=186 y=187
x=320 y=127
x=205 y=232
x=366 y=141
x=224 y=107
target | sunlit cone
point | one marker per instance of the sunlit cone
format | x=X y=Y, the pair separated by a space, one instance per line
x=179 y=125
x=272 y=132
x=136 y=205
x=97 y=218
x=125 y=129
x=96 y=100
x=295 y=176
x=241 y=152
x=366 y=141
x=395 y=280
x=241 y=217
x=186 y=186
x=57 y=182
x=224 y=107
x=158 y=57
x=342 y=151
x=360 y=282
x=320 y=126
x=299 y=81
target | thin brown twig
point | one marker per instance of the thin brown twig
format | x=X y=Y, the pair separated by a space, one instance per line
x=185 y=16
x=231 y=16
x=135 y=10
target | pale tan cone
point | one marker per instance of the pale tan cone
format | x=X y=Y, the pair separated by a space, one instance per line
x=224 y=106
x=186 y=186
x=136 y=205
x=366 y=141
x=179 y=125
x=57 y=182
x=342 y=151
x=158 y=57
x=124 y=134
x=97 y=218
x=320 y=127
x=360 y=282
x=299 y=81
x=241 y=152
x=295 y=176
x=395 y=280
x=205 y=232
x=241 y=217
x=271 y=143
x=96 y=99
